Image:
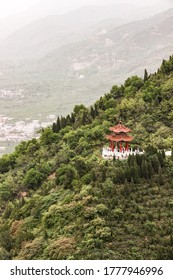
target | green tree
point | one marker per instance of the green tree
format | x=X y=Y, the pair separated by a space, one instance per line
x=155 y=163
x=33 y=178
x=117 y=91
x=54 y=127
x=160 y=177
x=65 y=176
x=145 y=75
x=47 y=136
x=80 y=165
x=150 y=169
x=144 y=169
x=161 y=159
x=172 y=154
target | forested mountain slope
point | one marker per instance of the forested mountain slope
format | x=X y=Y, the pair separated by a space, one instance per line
x=60 y=200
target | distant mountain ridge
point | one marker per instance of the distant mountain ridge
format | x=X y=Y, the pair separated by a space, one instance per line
x=38 y=38
x=115 y=51
x=46 y=34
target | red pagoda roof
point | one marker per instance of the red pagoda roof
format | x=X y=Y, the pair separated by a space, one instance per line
x=118 y=138
x=119 y=128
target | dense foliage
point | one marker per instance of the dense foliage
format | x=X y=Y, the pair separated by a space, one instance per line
x=60 y=200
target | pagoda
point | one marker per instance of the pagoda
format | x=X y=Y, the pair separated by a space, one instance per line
x=119 y=139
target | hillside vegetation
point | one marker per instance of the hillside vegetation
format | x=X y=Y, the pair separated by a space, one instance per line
x=60 y=200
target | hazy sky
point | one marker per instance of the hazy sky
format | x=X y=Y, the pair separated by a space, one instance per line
x=8 y=7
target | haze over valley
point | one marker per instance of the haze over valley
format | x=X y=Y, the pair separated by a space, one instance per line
x=53 y=60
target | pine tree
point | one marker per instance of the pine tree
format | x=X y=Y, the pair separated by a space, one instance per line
x=68 y=120
x=93 y=113
x=96 y=110
x=84 y=118
x=163 y=154
x=172 y=154
x=104 y=175
x=161 y=160
x=128 y=173
x=58 y=124
x=145 y=75
x=72 y=118
x=144 y=169
x=160 y=177
x=54 y=127
x=135 y=173
x=131 y=160
x=150 y=170
x=155 y=163
x=63 y=122
x=139 y=159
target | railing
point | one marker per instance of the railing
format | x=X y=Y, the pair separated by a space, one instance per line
x=107 y=153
